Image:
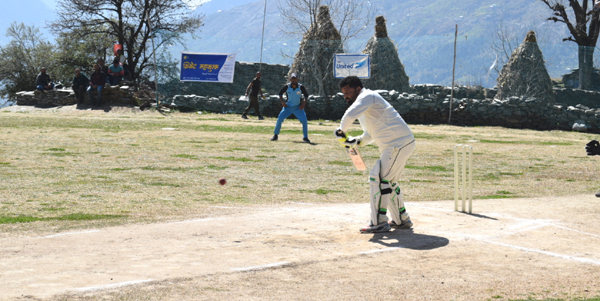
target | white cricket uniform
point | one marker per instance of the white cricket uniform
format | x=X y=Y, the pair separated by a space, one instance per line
x=383 y=125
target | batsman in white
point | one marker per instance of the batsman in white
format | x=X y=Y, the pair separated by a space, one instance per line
x=381 y=124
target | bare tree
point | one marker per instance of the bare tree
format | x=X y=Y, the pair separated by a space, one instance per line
x=351 y=16
x=525 y=73
x=586 y=37
x=507 y=37
x=126 y=21
x=325 y=26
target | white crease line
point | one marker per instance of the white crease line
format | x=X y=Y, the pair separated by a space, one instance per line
x=262 y=267
x=94 y=288
x=584 y=260
x=69 y=233
x=561 y=227
x=430 y=208
x=530 y=228
x=338 y=216
x=380 y=250
x=544 y=222
x=196 y=220
x=480 y=238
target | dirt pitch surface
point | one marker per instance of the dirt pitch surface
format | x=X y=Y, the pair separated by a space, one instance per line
x=508 y=248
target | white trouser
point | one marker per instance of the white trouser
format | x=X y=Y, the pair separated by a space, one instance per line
x=384 y=192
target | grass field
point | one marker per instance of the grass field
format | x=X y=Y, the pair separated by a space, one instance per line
x=63 y=170
x=81 y=169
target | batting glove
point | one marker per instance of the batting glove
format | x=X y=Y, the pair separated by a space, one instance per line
x=352 y=142
x=339 y=134
x=592 y=148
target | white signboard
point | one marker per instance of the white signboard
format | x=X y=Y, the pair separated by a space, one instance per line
x=352 y=64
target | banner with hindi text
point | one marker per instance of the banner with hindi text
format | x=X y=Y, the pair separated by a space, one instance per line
x=207 y=67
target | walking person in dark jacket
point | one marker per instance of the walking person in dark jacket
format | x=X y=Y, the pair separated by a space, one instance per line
x=80 y=84
x=253 y=103
x=97 y=81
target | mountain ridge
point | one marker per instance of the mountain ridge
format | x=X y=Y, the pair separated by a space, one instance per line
x=423 y=33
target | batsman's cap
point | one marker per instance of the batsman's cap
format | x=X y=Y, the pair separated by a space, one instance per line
x=293 y=75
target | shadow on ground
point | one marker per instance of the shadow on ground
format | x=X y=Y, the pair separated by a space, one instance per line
x=409 y=240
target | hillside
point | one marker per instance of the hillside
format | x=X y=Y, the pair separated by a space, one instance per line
x=423 y=32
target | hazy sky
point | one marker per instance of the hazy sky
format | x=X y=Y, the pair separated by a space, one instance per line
x=191 y=3
x=50 y=3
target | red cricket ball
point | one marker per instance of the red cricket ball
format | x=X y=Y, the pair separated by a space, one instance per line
x=222 y=181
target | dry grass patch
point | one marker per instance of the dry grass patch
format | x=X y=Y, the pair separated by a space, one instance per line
x=138 y=167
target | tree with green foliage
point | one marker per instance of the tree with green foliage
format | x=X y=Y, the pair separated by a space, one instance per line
x=584 y=31
x=76 y=51
x=22 y=58
x=131 y=23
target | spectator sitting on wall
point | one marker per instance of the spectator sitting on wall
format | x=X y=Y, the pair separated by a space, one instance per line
x=103 y=68
x=97 y=81
x=43 y=81
x=115 y=72
x=80 y=84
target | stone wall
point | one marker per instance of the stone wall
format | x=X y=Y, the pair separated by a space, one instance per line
x=429 y=104
x=60 y=97
x=273 y=77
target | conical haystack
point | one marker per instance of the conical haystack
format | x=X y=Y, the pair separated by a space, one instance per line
x=314 y=61
x=525 y=73
x=387 y=72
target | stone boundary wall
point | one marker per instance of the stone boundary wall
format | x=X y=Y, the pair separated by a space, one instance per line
x=424 y=104
x=429 y=104
x=273 y=77
x=60 y=97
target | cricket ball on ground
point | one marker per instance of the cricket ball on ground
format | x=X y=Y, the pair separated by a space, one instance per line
x=222 y=181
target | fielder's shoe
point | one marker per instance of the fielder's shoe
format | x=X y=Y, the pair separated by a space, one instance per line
x=403 y=225
x=598 y=194
x=275 y=137
x=244 y=117
x=306 y=140
x=382 y=227
x=261 y=118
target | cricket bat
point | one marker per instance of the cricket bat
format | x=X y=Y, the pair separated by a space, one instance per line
x=355 y=156
x=357 y=159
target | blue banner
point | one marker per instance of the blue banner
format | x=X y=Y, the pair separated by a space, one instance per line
x=207 y=67
x=352 y=64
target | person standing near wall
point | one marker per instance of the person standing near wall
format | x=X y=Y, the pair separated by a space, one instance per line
x=253 y=103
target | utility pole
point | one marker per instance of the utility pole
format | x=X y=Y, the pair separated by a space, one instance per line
x=453 y=68
x=263 y=37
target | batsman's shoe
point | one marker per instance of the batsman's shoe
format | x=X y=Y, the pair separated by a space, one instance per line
x=382 y=227
x=403 y=224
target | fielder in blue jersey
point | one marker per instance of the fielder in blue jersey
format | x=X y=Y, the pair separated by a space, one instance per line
x=294 y=105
